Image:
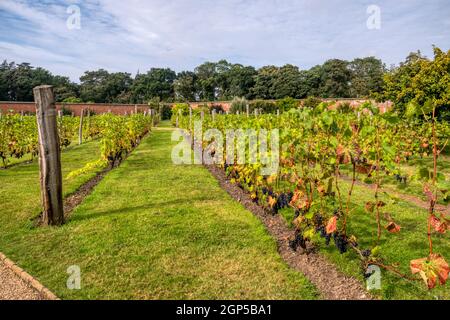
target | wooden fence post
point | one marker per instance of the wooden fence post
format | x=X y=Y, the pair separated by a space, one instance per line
x=80 y=129
x=214 y=115
x=49 y=157
x=135 y=109
x=190 y=117
x=202 y=116
x=278 y=112
x=248 y=110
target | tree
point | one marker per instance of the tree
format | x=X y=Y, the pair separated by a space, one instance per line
x=157 y=82
x=64 y=88
x=185 y=86
x=5 y=80
x=103 y=87
x=263 y=88
x=240 y=80
x=366 y=77
x=335 y=79
x=207 y=86
x=286 y=83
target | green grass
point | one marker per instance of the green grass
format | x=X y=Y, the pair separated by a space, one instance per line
x=411 y=243
x=150 y=230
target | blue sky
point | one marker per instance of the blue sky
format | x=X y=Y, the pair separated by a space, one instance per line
x=133 y=35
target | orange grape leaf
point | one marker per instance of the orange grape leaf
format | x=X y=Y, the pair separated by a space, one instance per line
x=392 y=227
x=321 y=189
x=331 y=225
x=272 y=201
x=340 y=150
x=370 y=206
x=431 y=269
x=427 y=191
x=438 y=225
x=381 y=204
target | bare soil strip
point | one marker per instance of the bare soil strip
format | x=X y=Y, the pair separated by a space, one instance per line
x=75 y=199
x=406 y=197
x=332 y=284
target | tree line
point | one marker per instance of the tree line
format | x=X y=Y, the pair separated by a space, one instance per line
x=417 y=80
x=210 y=81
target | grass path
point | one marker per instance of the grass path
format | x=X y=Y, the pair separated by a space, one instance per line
x=150 y=230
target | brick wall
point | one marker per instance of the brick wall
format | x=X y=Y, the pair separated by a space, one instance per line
x=128 y=108
x=76 y=108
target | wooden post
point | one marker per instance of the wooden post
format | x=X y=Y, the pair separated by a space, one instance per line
x=202 y=115
x=178 y=123
x=60 y=114
x=248 y=110
x=49 y=157
x=214 y=115
x=278 y=112
x=135 y=109
x=190 y=117
x=80 y=129
x=21 y=115
x=73 y=114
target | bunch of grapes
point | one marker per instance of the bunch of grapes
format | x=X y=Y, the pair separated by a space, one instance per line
x=318 y=220
x=323 y=233
x=401 y=179
x=366 y=253
x=298 y=241
x=341 y=242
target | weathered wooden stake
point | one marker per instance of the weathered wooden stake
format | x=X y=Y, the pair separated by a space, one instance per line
x=214 y=115
x=178 y=123
x=248 y=111
x=190 y=117
x=49 y=157
x=60 y=114
x=202 y=115
x=135 y=109
x=80 y=129
x=21 y=115
x=278 y=112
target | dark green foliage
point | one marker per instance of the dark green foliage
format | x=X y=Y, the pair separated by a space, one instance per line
x=287 y=104
x=266 y=106
x=165 y=110
x=311 y=102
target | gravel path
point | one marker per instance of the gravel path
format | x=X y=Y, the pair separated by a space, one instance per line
x=14 y=288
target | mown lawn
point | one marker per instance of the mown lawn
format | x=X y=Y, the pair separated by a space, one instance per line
x=150 y=230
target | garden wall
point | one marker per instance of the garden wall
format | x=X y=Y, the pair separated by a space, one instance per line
x=29 y=107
